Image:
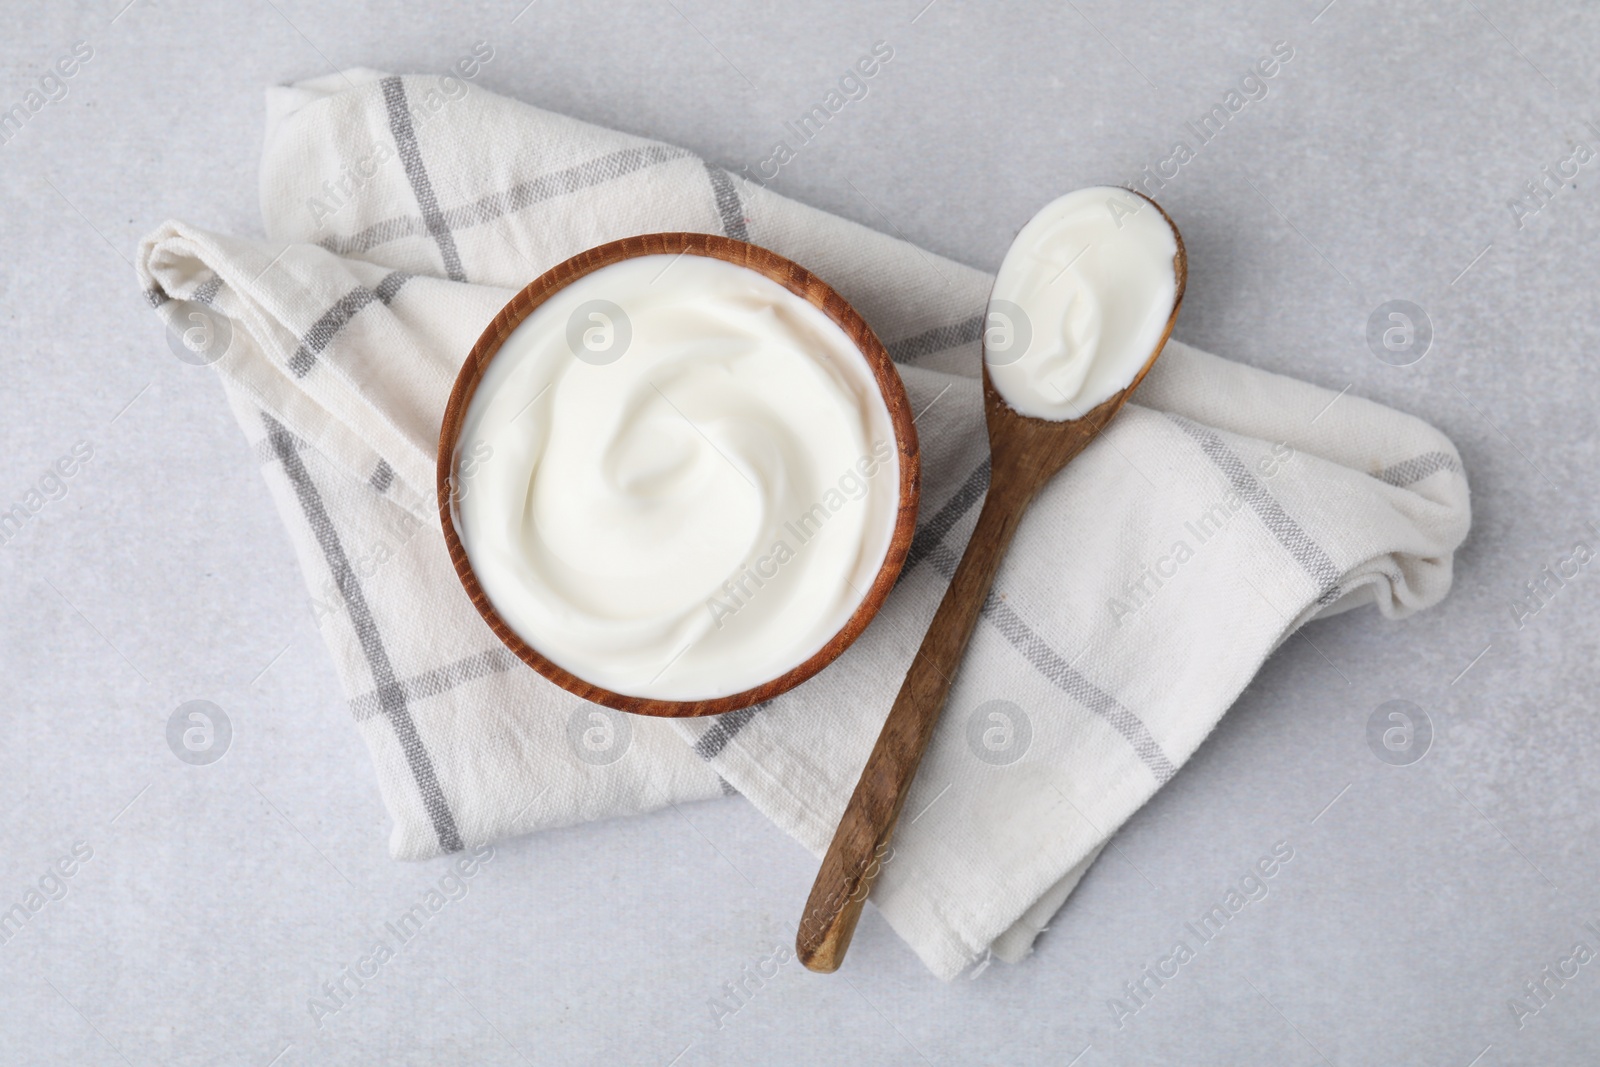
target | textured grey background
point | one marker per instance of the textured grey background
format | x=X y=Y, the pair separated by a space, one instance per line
x=1380 y=166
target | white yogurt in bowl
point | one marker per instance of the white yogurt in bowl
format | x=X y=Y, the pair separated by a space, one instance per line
x=1081 y=303
x=677 y=480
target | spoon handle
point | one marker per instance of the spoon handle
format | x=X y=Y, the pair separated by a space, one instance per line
x=859 y=845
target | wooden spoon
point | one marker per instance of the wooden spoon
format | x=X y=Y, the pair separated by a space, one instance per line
x=1025 y=453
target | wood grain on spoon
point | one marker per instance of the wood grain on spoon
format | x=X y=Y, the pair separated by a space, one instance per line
x=1025 y=453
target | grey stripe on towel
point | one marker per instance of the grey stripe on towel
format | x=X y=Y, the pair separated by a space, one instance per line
x=525 y=194
x=1048 y=662
x=333 y=320
x=405 y=140
x=937 y=339
x=1410 y=471
x=391 y=697
x=382 y=477
x=439 y=680
x=933 y=532
x=1295 y=540
x=717 y=736
x=207 y=290
x=728 y=205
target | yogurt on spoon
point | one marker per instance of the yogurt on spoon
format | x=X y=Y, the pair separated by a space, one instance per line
x=1082 y=299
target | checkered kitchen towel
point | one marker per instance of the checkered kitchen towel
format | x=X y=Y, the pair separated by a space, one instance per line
x=1223 y=510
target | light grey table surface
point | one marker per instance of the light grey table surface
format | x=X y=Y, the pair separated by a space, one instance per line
x=1382 y=164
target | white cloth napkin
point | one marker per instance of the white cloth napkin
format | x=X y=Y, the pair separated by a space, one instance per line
x=1224 y=508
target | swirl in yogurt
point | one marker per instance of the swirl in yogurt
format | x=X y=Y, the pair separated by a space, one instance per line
x=678 y=478
x=1081 y=302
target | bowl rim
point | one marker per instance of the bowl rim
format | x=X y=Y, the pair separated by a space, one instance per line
x=792 y=277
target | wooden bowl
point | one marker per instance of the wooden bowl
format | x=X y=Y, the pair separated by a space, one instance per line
x=792 y=277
